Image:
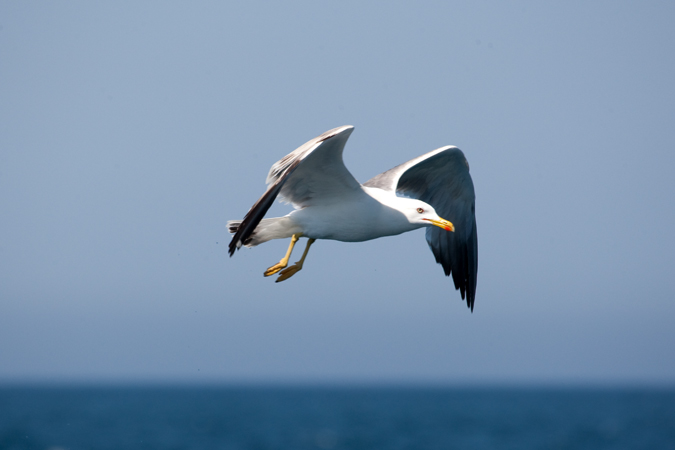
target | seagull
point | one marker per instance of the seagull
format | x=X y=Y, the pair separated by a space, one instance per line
x=330 y=204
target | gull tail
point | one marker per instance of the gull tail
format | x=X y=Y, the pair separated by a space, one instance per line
x=266 y=230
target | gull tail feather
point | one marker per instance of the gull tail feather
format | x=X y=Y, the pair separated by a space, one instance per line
x=266 y=230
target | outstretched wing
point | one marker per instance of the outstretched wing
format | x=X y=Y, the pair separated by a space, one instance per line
x=314 y=172
x=441 y=178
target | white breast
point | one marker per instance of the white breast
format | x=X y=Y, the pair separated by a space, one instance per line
x=359 y=217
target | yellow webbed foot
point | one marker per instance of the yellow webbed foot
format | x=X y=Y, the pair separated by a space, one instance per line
x=289 y=272
x=284 y=261
x=274 y=269
x=295 y=268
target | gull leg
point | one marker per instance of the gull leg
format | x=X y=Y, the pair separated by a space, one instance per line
x=295 y=268
x=284 y=261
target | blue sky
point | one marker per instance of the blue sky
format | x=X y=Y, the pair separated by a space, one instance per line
x=130 y=133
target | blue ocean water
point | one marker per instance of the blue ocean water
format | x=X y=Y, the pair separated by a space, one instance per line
x=78 y=418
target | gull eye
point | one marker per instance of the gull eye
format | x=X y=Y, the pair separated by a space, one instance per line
x=420 y=210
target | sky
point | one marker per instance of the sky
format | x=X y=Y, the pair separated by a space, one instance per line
x=131 y=132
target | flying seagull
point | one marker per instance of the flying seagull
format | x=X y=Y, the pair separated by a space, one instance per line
x=330 y=204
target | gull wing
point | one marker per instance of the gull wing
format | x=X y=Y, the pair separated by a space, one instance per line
x=441 y=178
x=314 y=172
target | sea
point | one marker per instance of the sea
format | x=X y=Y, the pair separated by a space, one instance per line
x=334 y=417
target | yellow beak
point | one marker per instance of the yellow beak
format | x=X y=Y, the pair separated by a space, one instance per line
x=446 y=225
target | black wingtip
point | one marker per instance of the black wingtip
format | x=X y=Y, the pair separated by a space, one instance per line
x=469 y=298
x=232 y=247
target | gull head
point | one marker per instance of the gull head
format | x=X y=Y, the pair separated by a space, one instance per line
x=423 y=214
